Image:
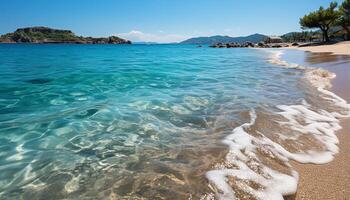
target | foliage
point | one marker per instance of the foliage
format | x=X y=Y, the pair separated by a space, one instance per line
x=322 y=19
x=345 y=11
x=305 y=36
x=344 y=19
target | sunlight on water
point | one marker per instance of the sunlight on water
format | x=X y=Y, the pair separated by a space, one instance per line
x=121 y=121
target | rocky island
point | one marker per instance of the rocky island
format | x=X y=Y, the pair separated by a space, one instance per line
x=44 y=35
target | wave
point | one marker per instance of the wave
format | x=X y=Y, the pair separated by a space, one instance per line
x=257 y=164
x=317 y=77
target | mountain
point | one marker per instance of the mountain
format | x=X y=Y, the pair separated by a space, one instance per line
x=48 y=35
x=255 y=38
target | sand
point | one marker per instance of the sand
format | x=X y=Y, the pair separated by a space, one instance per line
x=330 y=181
x=341 y=48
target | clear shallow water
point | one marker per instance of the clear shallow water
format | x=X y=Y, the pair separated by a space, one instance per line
x=98 y=121
x=338 y=64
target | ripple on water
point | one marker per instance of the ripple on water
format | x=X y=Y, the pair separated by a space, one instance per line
x=58 y=102
x=147 y=125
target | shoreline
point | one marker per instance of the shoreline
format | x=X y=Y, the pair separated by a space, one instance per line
x=340 y=48
x=318 y=127
x=330 y=180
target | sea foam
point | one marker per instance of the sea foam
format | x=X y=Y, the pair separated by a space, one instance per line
x=243 y=166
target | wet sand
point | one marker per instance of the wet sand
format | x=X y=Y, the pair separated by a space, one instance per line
x=330 y=181
x=338 y=64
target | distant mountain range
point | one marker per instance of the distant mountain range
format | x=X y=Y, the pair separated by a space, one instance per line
x=255 y=38
x=49 y=35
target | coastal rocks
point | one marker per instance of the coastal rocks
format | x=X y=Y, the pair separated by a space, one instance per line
x=220 y=45
x=109 y=40
x=261 y=44
x=276 y=46
x=45 y=35
x=231 y=45
x=248 y=45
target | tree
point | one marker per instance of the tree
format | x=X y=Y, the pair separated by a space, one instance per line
x=344 y=19
x=304 y=36
x=322 y=19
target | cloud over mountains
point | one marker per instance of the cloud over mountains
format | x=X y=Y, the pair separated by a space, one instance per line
x=139 y=36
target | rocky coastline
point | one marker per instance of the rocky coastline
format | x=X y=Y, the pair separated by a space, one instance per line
x=45 y=35
x=252 y=45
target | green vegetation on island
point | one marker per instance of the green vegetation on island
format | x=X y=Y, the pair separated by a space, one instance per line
x=344 y=19
x=49 y=35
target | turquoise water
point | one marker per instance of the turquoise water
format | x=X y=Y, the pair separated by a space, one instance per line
x=98 y=121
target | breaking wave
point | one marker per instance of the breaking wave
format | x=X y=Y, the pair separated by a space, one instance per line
x=257 y=164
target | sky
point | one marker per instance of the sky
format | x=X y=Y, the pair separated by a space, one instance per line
x=160 y=21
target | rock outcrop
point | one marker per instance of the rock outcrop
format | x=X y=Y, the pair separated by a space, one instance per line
x=248 y=45
x=49 y=35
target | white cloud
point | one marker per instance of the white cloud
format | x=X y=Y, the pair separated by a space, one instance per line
x=138 y=36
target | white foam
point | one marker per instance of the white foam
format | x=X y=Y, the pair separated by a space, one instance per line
x=318 y=77
x=275 y=58
x=243 y=148
x=318 y=123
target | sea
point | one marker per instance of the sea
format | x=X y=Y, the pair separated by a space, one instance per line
x=160 y=122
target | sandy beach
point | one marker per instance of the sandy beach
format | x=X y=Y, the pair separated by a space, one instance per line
x=330 y=181
x=341 y=48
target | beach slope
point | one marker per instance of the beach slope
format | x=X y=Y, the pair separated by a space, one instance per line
x=341 y=48
x=330 y=181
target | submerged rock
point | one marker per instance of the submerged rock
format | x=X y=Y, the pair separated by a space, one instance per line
x=39 y=81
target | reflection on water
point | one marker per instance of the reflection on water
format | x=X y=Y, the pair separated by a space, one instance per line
x=257 y=164
x=125 y=122
x=338 y=64
x=321 y=58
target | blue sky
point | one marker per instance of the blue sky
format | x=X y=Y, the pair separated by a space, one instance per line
x=158 y=20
